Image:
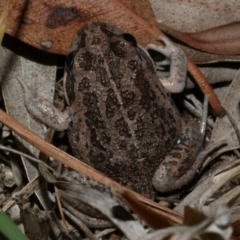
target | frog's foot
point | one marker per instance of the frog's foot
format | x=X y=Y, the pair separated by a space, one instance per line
x=43 y=110
x=175 y=82
x=180 y=166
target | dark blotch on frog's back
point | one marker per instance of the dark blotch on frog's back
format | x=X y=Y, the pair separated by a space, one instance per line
x=112 y=104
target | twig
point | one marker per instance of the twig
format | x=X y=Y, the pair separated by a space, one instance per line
x=206 y=88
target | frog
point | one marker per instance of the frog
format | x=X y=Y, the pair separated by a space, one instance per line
x=120 y=118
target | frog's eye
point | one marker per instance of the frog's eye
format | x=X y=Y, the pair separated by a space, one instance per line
x=130 y=38
x=69 y=61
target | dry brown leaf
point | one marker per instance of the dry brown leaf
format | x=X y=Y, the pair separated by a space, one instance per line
x=193 y=16
x=141 y=8
x=51 y=25
x=153 y=219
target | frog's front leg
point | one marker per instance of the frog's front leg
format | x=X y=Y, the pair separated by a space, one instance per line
x=43 y=110
x=175 y=82
x=180 y=166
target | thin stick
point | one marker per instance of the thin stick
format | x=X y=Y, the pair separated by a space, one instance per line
x=26 y=156
x=206 y=88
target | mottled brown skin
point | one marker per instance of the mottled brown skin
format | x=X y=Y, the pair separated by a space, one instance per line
x=120 y=118
x=123 y=120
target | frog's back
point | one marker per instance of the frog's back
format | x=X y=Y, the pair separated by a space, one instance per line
x=123 y=121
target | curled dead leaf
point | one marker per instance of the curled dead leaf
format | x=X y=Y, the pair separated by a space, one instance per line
x=222 y=39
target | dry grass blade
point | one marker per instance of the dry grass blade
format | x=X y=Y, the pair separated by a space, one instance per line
x=26 y=156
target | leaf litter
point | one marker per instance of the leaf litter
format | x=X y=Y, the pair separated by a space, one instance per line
x=217 y=190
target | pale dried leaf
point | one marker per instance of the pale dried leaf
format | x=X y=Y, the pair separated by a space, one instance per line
x=216 y=221
x=195 y=16
x=223 y=129
x=38 y=75
x=108 y=206
x=221 y=92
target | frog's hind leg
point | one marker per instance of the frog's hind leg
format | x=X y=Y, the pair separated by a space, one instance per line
x=180 y=166
x=175 y=82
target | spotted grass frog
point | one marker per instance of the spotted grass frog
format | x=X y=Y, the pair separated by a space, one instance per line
x=120 y=118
